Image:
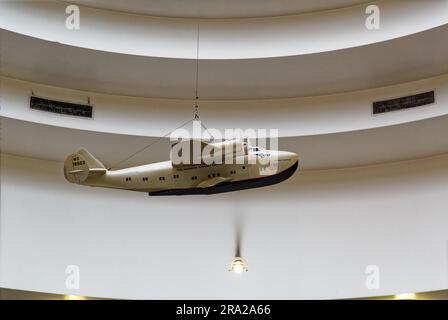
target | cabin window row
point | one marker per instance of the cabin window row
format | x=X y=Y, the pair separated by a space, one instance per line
x=145 y=179
x=176 y=176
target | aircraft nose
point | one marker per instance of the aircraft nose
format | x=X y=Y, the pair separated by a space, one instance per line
x=291 y=156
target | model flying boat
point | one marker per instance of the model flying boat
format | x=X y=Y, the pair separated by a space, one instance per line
x=229 y=166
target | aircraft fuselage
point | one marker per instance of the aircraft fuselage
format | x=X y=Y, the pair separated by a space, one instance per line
x=162 y=178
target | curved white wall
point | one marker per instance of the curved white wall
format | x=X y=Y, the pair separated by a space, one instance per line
x=293 y=117
x=331 y=226
x=317 y=152
x=410 y=57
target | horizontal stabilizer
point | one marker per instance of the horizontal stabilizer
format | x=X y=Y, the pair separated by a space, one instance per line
x=75 y=171
x=97 y=170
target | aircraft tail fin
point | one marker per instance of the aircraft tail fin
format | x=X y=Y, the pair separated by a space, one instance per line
x=81 y=165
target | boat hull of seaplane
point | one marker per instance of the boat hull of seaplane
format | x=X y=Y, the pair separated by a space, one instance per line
x=232 y=186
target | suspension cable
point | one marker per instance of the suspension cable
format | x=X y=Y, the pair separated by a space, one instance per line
x=196 y=94
x=149 y=145
x=195 y=116
x=196 y=105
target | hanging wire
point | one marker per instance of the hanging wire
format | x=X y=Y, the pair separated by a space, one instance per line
x=206 y=129
x=196 y=113
x=196 y=106
x=195 y=116
x=149 y=145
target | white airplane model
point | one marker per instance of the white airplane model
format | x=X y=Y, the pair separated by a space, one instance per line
x=251 y=167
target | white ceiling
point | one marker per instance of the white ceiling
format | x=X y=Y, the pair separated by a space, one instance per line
x=401 y=60
x=217 y=8
x=226 y=39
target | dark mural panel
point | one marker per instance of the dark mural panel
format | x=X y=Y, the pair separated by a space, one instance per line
x=66 y=108
x=414 y=101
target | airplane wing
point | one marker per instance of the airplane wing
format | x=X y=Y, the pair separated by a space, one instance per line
x=195 y=154
x=214 y=182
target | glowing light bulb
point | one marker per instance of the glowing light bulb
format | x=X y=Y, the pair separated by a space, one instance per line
x=73 y=297
x=405 y=296
x=238 y=265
